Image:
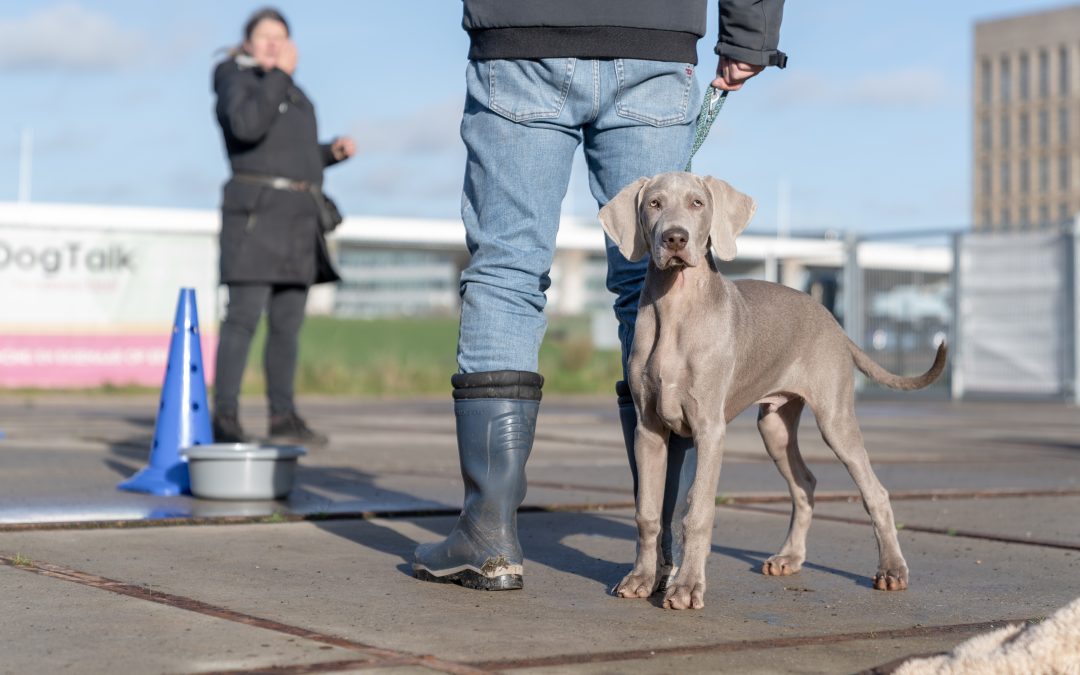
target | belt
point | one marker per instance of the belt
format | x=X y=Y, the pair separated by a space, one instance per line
x=276 y=182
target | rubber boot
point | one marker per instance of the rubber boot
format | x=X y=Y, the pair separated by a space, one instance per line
x=496 y=420
x=681 y=467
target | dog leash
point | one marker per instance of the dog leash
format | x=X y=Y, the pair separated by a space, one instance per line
x=710 y=108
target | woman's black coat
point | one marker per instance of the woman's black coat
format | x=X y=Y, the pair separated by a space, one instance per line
x=269 y=235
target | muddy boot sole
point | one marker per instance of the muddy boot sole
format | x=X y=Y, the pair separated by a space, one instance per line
x=474 y=580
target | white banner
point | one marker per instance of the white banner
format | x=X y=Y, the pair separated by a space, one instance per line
x=85 y=307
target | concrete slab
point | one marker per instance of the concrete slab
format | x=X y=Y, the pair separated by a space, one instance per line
x=841 y=657
x=351 y=579
x=1022 y=518
x=64 y=456
x=49 y=626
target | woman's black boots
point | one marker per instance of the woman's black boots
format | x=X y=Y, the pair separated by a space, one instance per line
x=496 y=420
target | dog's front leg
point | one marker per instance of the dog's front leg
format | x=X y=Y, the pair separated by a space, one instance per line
x=650 y=454
x=687 y=590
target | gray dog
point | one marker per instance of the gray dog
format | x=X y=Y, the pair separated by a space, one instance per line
x=705 y=349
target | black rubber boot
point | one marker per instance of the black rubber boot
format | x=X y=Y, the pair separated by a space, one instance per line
x=227 y=429
x=291 y=428
x=496 y=421
x=681 y=467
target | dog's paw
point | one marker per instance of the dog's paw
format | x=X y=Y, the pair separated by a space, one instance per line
x=686 y=594
x=891 y=578
x=637 y=585
x=780 y=566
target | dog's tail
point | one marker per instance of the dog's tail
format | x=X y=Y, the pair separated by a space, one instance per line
x=878 y=374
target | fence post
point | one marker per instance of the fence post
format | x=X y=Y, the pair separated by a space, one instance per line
x=853 y=291
x=956 y=325
x=1074 y=296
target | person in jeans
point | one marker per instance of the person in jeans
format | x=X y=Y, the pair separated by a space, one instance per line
x=272 y=246
x=542 y=78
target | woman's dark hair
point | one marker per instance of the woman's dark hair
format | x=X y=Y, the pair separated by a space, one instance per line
x=249 y=28
x=259 y=15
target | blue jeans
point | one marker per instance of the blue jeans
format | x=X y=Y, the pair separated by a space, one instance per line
x=522 y=123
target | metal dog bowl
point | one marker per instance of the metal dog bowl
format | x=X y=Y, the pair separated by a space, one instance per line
x=242 y=470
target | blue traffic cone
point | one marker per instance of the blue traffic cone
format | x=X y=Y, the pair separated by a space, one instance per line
x=183 y=418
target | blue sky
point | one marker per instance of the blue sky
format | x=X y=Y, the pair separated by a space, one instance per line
x=868 y=126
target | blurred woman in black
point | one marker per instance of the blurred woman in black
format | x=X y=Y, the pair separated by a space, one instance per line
x=273 y=219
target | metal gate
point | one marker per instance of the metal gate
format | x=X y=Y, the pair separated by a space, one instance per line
x=1015 y=315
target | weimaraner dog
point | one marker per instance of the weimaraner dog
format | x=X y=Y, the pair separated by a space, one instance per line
x=705 y=349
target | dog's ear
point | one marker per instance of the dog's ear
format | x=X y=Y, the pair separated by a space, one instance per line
x=731 y=213
x=620 y=220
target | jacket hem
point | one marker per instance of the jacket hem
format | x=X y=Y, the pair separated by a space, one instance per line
x=591 y=42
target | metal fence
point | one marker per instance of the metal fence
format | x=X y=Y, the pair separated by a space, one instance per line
x=899 y=313
x=1016 y=315
x=1006 y=303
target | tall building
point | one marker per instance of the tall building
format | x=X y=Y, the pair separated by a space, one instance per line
x=1026 y=126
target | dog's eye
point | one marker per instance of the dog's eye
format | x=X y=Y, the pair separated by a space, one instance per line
x=697 y=203
x=655 y=203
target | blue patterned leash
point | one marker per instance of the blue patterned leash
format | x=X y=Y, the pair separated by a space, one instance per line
x=710 y=108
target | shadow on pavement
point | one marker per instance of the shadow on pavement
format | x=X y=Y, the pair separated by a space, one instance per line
x=545 y=543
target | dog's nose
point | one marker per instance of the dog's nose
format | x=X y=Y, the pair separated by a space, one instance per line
x=675 y=238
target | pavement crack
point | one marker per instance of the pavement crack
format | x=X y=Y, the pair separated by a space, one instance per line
x=378 y=655
x=962 y=629
x=926 y=529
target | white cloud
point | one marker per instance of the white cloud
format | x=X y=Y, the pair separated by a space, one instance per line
x=908 y=86
x=799 y=87
x=433 y=129
x=67 y=36
x=901 y=88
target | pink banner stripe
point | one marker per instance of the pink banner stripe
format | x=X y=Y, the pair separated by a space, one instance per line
x=82 y=361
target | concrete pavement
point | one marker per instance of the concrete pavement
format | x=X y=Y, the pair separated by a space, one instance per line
x=97 y=580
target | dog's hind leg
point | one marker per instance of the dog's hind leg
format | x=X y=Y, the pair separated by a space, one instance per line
x=841 y=432
x=779 y=427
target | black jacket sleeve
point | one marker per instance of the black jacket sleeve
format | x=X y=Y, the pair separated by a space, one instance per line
x=248 y=102
x=750 y=31
x=328 y=158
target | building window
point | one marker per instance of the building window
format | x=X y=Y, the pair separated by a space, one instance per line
x=1063 y=125
x=1023 y=75
x=1025 y=219
x=1063 y=71
x=1063 y=172
x=1025 y=129
x=1044 y=175
x=1044 y=74
x=1006 y=80
x=984 y=129
x=1006 y=178
x=1044 y=215
x=1064 y=215
x=1025 y=177
x=1003 y=222
x=1006 y=131
x=1044 y=128
x=985 y=80
x=987 y=179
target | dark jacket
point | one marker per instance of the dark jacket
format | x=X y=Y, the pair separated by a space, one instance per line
x=659 y=30
x=269 y=235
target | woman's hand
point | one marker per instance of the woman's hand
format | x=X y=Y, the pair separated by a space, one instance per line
x=343 y=148
x=287 y=57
